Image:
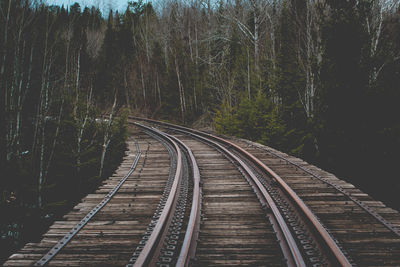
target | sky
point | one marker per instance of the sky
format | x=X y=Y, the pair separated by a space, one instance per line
x=104 y=5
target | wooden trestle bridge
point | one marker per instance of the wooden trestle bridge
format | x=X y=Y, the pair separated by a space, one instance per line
x=184 y=197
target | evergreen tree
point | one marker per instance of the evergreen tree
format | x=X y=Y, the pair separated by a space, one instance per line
x=290 y=83
x=108 y=80
x=344 y=84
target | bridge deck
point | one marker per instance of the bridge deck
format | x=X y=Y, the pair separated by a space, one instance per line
x=236 y=226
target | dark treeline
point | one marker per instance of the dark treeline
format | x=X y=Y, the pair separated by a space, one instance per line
x=327 y=90
x=54 y=146
x=318 y=79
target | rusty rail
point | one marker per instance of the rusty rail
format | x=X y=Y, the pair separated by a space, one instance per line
x=320 y=230
x=326 y=237
x=150 y=250
x=361 y=204
x=70 y=235
x=288 y=244
x=188 y=248
x=189 y=245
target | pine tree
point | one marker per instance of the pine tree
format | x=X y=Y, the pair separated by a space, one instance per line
x=344 y=84
x=107 y=78
x=290 y=83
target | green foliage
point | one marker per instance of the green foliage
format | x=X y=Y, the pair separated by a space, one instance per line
x=80 y=61
x=257 y=120
x=278 y=120
x=353 y=123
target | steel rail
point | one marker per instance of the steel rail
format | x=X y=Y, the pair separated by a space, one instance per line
x=326 y=237
x=289 y=246
x=150 y=249
x=322 y=232
x=294 y=257
x=67 y=238
x=361 y=204
x=189 y=244
x=188 y=249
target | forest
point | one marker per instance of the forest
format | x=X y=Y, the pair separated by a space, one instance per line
x=318 y=79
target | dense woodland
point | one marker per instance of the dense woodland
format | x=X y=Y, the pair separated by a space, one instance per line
x=318 y=79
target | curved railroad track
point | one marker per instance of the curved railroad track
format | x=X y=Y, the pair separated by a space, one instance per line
x=184 y=197
x=363 y=230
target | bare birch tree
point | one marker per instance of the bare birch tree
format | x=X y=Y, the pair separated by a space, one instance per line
x=374 y=24
x=310 y=54
x=107 y=135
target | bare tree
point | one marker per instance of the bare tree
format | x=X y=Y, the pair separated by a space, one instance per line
x=310 y=54
x=5 y=39
x=81 y=131
x=264 y=21
x=15 y=86
x=47 y=97
x=374 y=23
x=181 y=90
x=107 y=135
x=42 y=111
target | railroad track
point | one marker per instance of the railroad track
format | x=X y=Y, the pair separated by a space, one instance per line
x=183 y=197
x=135 y=218
x=364 y=231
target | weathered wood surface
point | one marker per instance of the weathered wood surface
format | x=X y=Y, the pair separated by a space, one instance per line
x=111 y=237
x=368 y=242
x=234 y=228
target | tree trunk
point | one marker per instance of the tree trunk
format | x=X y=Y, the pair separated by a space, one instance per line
x=80 y=136
x=107 y=136
x=3 y=95
x=53 y=148
x=5 y=40
x=143 y=87
x=190 y=39
x=194 y=95
x=158 y=90
x=181 y=92
x=256 y=45
x=40 y=126
x=248 y=74
x=128 y=104
x=78 y=70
